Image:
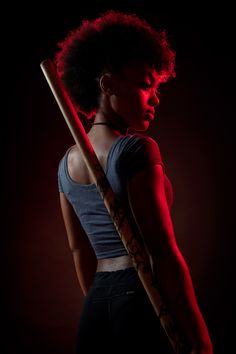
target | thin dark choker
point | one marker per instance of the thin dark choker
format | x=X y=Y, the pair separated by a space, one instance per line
x=113 y=126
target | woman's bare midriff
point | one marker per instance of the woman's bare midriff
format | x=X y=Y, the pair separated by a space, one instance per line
x=115 y=263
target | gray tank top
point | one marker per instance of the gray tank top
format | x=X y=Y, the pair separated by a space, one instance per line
x=127 y=155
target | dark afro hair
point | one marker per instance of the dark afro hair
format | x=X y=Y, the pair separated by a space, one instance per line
x=108 y=44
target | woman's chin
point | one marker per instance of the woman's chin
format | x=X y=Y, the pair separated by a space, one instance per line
x=142 y=126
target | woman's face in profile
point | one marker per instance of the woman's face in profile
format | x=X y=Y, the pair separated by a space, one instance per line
x=136 y=95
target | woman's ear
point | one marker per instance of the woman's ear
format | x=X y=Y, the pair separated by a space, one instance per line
x=106 y=84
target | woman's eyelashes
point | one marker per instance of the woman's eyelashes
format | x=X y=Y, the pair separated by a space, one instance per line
x=145 y=85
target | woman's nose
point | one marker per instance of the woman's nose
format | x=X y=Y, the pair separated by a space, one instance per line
x=154 y=99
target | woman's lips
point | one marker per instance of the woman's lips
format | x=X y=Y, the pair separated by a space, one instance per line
x=149 y=116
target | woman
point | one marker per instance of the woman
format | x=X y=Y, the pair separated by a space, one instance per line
x=112 y=68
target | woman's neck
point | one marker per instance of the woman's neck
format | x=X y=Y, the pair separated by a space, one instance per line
x=111 y=125
x=114 y=124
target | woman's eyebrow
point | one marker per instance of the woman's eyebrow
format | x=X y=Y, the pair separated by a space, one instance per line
x=147 y=75
x=153 y=78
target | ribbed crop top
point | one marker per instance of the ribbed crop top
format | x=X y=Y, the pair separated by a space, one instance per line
x=127 y=155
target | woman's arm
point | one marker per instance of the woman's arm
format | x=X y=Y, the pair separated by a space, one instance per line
x=83 y=253
x=149 y=205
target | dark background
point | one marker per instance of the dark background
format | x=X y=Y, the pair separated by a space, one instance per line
x=194 y=129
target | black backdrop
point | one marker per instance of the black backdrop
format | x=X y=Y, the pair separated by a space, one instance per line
x=194 y=129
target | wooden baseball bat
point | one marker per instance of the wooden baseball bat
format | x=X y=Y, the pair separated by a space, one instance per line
x=137 y=252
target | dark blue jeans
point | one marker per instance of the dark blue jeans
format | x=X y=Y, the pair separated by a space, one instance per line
x=118 y=317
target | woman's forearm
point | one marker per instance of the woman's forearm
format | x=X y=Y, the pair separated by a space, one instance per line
x=175 y=284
